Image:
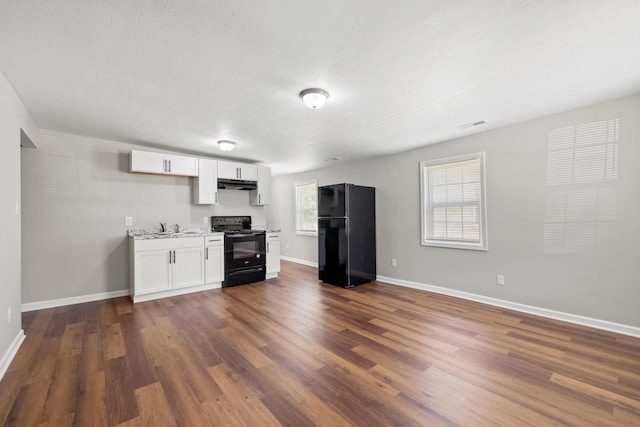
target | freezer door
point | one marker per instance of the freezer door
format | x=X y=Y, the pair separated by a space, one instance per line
x=333 y=251
x=331 y=201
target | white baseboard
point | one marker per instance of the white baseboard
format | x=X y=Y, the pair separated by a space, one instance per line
x=176 y=292
x=299 y=261
x=8 y=355
x=620 y=328
x=39 y=305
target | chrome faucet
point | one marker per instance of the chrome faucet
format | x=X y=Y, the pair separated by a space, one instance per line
x=163 y=227
x=177 y=228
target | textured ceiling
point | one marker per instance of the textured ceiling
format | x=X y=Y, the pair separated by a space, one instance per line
x=182 y=74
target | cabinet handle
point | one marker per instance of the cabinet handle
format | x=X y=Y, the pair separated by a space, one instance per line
x=164 y=165
x=174 y=257
x=268 y=247
x=206 y=253
x=170 y=261
x=259 y=198
x=169 y=165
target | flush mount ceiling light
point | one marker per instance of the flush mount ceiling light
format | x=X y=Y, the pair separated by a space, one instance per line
x=314 y=97
x=226 y=145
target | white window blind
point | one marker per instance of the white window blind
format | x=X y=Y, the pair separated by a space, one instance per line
x=306 y=208
x=452 y=195
x=582 y=196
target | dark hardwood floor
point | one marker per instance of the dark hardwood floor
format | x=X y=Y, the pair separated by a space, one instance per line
x=294 y=352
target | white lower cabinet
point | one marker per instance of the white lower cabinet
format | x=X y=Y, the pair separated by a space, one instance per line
x=214 y=259
x=152 y=271
x=188 y=267
x=166 y=267
x=273 y=254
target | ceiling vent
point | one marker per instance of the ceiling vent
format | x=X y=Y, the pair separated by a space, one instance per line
x=470 y=125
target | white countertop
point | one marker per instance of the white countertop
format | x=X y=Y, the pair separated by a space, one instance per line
x=155 y=234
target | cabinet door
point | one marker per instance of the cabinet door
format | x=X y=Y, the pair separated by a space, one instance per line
x=228 y=170
x=152 y=271
x=273 y=256
x=262 y=195
x=233 y=170
x=182 y=165
x=248 y=172
x=214 y=264
x=188 y=267
x=147 y=162
x=205 y=186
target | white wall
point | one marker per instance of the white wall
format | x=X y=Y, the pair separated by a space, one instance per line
x=13 y=118
x=76 y=192
x=599 y=280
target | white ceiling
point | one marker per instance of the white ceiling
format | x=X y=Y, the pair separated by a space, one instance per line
x=181 y=74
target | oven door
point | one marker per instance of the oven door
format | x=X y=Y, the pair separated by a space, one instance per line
x=244 y=250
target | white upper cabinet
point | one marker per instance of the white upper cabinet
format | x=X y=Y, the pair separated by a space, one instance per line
x=249 y=172
x=182 y=165
x=146 y=161
x=233 y=170
x=164 y=164
x=205 y=187
x=262 y=194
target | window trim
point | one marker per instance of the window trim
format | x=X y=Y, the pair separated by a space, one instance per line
x=295 y=187
x=483 y=245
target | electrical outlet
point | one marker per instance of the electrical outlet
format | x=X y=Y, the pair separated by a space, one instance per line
x=128 y=220
x=9 y=315
x=500 y=280
x=205 y=220
x=394 y=263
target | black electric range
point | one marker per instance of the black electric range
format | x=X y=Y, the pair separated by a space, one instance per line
x=244 y=250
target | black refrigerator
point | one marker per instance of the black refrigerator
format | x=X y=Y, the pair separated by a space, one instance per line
x=346 y=234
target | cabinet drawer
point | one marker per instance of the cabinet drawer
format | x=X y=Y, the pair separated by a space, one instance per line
x=169 y=243
x=273 y=237
x=214 y=240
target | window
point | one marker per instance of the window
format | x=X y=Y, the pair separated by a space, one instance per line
x=307 y=208
x=582 y=195
x=452 y=202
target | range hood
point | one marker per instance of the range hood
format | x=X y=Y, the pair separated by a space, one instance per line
x=236 y=184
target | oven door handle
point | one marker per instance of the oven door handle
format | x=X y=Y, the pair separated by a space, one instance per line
x=234 y=235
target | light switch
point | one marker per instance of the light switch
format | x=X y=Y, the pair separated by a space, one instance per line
x=128 y=220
